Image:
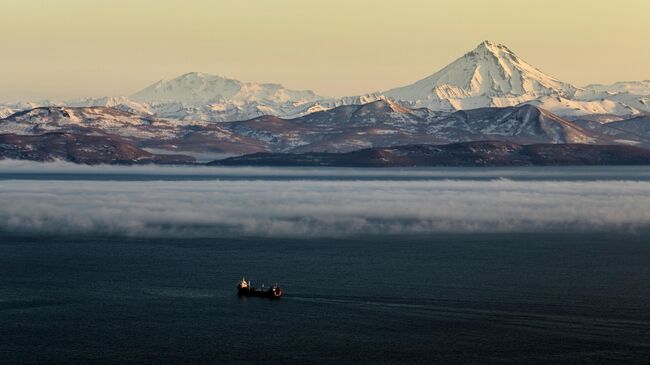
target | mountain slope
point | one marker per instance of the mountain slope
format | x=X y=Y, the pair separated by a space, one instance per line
x=490 y=75
x=198 y=96
x=79 y=148
x=524 y=123
x=90 y=119
x=118 y=102
x=142 y=130
x=640 y=126
x=382 y=123
x=486 y=153
x=345 y=128
x=199 y=89
x=628 y=87
x=385 y=123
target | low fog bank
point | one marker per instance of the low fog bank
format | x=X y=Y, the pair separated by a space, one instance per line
x=13 y=169
x=297 y=208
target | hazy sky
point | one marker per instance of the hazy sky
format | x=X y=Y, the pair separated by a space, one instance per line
x=72 y=48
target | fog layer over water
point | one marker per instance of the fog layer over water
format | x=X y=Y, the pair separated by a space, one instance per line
x=12 y=169
x=297 y=206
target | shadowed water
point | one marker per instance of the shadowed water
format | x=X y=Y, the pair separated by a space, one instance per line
x=84 y=280
x=408 y=299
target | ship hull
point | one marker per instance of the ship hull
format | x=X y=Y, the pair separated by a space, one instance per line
x=253 y=292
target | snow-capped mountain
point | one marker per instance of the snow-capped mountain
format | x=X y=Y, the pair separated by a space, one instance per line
x=11 y=108
x=575 y=108
x=492 y=75
x=199 y=96
x=489 y=75
x=6 y=111
x=621 y=98
x=628 y=87
x=200 y=89
x=145 y=131
x=186 y=113
x=122 y=103
x=89 y=119
x=220 y=99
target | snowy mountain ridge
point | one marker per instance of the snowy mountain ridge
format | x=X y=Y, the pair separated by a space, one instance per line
x=197 y=88
x=630 y=87
x=491 y=75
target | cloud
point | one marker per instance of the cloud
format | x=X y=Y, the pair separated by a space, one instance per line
x=296 y=207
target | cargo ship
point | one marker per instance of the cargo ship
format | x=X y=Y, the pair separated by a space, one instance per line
x=245 y=289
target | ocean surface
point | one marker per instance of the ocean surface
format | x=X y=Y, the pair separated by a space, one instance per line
x=125 y=266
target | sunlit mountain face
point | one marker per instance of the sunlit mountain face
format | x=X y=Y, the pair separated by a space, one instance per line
x=491 y=75
x=487 y=94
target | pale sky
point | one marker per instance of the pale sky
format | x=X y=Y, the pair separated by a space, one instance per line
x=61 y=49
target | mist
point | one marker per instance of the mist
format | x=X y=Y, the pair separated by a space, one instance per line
x=312 y=208
x=22 y=169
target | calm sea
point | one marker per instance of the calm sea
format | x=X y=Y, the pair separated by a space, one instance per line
x=106 y=292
